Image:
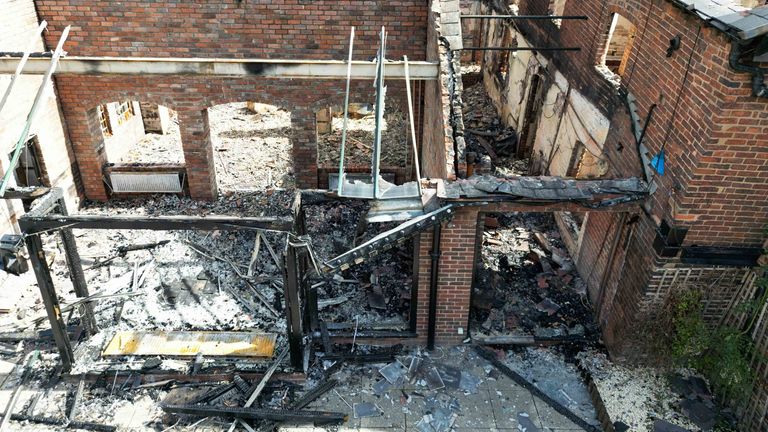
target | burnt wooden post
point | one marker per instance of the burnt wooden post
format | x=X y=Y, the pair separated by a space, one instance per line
x=293 y=306
x=76 y=273
x=51 y=302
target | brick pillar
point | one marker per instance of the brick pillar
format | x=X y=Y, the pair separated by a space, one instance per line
x=198 y=154
x=304 y=143
x=88 y=146
x=454 y=286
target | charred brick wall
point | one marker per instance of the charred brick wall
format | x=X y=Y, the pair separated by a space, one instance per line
x=291 y=29
x=710 y=126
x=706 y=119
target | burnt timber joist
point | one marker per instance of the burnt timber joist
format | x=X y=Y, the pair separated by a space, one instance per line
x=49 y=213
x=289 y=69
x=31 y=224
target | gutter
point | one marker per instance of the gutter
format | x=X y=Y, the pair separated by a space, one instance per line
x=759 y=88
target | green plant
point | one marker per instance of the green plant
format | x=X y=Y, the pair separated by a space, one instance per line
x=722 y=355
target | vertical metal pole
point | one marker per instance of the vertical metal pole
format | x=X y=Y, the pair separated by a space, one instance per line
x=293 y=307
x=51 y=302
x=75 y=267
x=346 y=112
x=380 y=92
x=22 y=62
x=33 y=111
x=413 y=125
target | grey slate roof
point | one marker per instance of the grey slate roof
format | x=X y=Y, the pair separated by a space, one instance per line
x=725 y=15
x=541 y=188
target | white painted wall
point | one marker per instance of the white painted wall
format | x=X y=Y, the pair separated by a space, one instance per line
x=18 y=23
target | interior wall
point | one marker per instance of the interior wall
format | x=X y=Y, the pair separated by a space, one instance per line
x=18 y=24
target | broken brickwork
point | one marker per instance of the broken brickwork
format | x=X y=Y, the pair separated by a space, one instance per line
x=296 y=29
x=712 y=128
x=715 y=173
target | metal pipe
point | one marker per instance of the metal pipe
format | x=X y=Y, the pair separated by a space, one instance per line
x=346 y=113
x=527 y=17
x=432 y=324
x=517 y=49
x=759 y=88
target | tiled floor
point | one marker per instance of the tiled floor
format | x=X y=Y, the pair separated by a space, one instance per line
x=499 y=404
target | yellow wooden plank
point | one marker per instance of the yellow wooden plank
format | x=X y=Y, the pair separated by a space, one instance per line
x=190 y=343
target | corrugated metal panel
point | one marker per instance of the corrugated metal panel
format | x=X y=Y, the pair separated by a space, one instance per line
x=145 y=182
x=189 y=343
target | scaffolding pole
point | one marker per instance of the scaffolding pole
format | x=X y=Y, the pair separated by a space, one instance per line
x=413 y=125
x=22 y=62
x=346 y=112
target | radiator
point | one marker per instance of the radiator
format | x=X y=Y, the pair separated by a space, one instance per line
x=145 y=182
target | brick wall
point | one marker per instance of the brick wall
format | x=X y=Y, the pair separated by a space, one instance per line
x=284 y=29
x=717 y=168
x=292 y=29
x=717 y=163
x=18 y=23
x=460 y=244
x=457 y=260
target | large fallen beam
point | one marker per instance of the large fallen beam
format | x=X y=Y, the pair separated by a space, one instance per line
x=317 y=417
x=293 y=69
x=64 y=423
x=31 y=224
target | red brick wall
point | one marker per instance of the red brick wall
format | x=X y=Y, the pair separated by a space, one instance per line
x=293 y=29
x=457 y=248
x=191 y=96
x=717 y=163
x=230 y=28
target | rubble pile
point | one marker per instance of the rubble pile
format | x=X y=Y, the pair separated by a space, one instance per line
x=486 y=135
x=361 y=125
x=441 y=391
x=375 y=293
x=156 y=148
x=252 y=147
x=528 y=284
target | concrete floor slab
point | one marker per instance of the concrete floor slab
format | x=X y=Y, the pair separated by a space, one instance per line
x=551 y=418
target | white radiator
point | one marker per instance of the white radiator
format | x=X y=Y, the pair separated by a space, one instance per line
x=145 y=182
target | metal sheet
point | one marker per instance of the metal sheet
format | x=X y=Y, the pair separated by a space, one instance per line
x=190 y=343
x=145 y=182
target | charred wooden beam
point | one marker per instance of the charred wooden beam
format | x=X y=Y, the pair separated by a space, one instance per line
x=31 y=224
x=64 y=423
x=25 y=193
x=50 y=300
x=305 y=400
x=516 y=377
x=317 y=417
x=293 y=306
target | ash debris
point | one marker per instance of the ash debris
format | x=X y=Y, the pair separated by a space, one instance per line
x=395 y=146
x=486 y=135
x=374 y=293
x=528 y=284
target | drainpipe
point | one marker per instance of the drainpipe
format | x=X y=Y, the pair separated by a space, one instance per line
x=759 y=88
x=433 y=287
